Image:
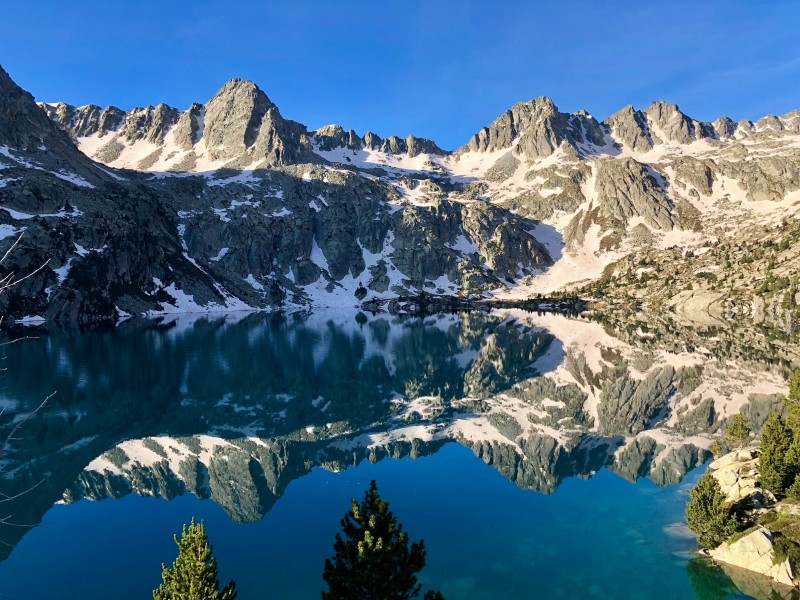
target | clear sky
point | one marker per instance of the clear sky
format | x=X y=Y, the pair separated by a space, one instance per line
x=435 y=68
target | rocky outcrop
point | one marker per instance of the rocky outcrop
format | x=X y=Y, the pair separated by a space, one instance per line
x=669 y=122
x=627 y=189
x=659 y=123
x=738 y=475
x=629 y=126
x=755 y=585
x=86 y=120
x=755 y=552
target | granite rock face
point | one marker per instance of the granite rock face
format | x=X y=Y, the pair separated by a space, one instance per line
x=754 y=552
x=738 y=476
x=536 y=129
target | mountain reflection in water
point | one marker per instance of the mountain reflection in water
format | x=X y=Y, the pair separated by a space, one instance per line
x=235 y=408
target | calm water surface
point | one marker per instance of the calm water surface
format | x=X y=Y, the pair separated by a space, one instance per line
x=538 y=456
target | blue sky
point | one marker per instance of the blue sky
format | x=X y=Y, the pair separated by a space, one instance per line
x=438 y=69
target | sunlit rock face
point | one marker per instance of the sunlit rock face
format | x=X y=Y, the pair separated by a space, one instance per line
x=234 y=409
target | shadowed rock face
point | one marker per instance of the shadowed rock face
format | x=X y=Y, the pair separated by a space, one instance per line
x=23 y=126
x=187 y=406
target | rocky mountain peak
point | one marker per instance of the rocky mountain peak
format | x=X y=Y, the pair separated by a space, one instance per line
x=659 y=123
x=629 y=126
x=242 y=90
x=188 y=130
x=533 y=129
x=22 y=124
x=333 y=136
x=150 y=123
x=725 y=128
x=241 y=124
x=332 y=131
x=233 y=118
x=675 y=125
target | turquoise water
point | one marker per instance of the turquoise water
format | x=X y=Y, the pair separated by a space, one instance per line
x=266 y=427
x=486 y=538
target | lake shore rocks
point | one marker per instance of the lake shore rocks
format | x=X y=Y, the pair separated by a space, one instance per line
x=738 y=475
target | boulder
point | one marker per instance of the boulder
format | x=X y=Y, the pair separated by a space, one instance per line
x=754 y=552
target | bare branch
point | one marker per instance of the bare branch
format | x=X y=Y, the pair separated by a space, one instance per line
x=7 y=498
x=10 y=250
x=19 y=425
x=8 y=285
x=8 y=281
x=15 y=340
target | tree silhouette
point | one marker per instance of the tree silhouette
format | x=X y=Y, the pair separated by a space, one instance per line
x=373 y=559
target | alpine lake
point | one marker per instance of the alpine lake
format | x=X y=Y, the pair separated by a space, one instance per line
x=538 y=455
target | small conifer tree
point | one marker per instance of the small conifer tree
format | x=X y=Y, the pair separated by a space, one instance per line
x=708 y=513
x=738 y=432
x=716 y=449
x=193 y=575
x=373 y=559
x=776 y=440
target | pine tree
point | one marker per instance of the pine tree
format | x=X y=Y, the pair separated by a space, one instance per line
x=738 y=432
x=716 y=449
x=193 y=575
x=373 y=560
x=708 y=513
x=776 y=440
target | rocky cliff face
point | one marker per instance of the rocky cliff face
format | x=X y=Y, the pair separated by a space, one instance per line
x=230 y=205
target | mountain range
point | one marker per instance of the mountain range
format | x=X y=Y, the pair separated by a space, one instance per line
x=228 y=205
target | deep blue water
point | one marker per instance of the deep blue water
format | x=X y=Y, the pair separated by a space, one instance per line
x=449 y=414
x=486 y=538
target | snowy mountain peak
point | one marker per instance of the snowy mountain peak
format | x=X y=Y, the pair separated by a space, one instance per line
x=536 y=129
